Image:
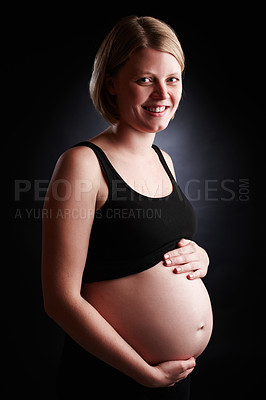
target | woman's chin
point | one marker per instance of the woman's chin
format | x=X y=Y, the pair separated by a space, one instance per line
x=154 y=126
x=157 y=127
x=147 y=125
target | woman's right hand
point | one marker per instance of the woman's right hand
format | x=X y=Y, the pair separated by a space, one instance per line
x=170 y=372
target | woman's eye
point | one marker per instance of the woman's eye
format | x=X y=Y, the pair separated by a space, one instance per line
x=173 y=79
x=144 y=80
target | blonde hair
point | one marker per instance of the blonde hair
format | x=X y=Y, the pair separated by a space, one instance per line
x=128 y=35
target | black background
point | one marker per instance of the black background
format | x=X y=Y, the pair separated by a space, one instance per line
x=48 y=57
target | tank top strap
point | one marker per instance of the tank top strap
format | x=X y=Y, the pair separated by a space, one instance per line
x=164 y=163
x=103 y=160
x=108 y=168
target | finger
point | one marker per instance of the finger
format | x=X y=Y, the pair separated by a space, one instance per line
x=184 y=242
x=170 y=258
x=187 y=246
x=187 y=364
x=187 y=367
x=180 y=250
x=185 y=374
x=185 y=259
x=191 y=362
x=199 y=273
x=192 y=267
x=171 y=254
x=191 y=247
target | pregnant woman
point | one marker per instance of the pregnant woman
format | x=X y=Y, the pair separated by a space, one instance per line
x=121 y=274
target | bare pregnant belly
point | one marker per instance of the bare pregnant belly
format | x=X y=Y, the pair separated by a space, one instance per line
x=163 y=316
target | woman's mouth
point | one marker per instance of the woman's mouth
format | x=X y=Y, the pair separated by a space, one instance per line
x=155 y=110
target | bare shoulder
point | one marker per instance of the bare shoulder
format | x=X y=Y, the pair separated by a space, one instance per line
x=169 y=162
x=78 y=162
x=76 y=172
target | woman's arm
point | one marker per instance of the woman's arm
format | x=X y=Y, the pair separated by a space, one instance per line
x=73 y=190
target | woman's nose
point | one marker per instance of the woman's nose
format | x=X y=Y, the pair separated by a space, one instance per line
x=160 y=91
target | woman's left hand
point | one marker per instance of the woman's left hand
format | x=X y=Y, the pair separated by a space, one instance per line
x=188 y=257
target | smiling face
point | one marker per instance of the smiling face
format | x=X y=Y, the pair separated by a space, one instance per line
x=148 y=89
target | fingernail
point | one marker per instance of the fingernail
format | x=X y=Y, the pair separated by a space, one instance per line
x=175 y=271
x=190 y=276
x=168 y=262
x=166 y=256
x=184 y=241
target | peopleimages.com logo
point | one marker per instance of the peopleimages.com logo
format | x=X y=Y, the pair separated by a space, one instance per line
x=227 y=189
x=196 y=190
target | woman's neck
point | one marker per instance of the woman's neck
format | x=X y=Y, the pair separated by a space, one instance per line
x=129 y=140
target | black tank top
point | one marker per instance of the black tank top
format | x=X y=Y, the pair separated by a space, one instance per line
x=131 y=232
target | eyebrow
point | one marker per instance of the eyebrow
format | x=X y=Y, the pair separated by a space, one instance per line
x=144 y=73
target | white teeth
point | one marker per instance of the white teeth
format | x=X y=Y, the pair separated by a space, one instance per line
x=155 y=109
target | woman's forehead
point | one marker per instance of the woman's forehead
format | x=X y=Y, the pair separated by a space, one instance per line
x=151 y=61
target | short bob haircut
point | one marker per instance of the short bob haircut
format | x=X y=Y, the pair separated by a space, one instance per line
x=128 y=35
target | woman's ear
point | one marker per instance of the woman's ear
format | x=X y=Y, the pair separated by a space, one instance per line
x=109 y=84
